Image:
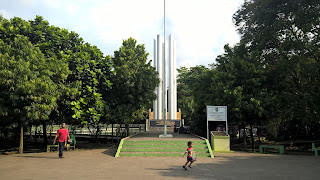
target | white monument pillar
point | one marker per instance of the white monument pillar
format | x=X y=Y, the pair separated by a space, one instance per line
x=159 y=69
x=155 y=102
x=171 y=75
x=174 y=77
x=164 y=87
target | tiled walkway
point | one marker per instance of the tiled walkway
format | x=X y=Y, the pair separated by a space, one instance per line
x=100 y=164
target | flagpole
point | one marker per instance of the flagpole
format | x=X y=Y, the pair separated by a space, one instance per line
x=165 y=71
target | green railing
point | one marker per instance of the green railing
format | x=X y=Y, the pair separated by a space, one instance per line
x=207 y=142
x=119 y=148
x=209 y=147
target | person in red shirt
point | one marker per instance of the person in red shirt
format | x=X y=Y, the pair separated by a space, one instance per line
x=62 y=135
x=189 y=156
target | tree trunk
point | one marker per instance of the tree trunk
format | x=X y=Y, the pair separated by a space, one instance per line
x=112 y=134
x=252 y=138
x=30 y=135
x=97 y=131
x=127 y=129
x=35 y=133
x=51 y=128
x=21 y=138
x=45 y=138
x=117 y=133
x=258 y=132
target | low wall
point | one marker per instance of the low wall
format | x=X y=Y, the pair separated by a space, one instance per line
x=220 y=143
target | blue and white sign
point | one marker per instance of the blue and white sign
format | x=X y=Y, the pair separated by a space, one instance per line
x=217 y=113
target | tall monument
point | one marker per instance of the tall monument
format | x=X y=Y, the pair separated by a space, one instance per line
x=159 y=62
x=162 y=105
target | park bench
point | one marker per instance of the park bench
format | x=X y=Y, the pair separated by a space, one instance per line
x=315 y=149
x=71 y=145
x=262 y=147
x=56 y=146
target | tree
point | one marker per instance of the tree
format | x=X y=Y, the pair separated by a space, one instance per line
x=133 y=83
x=90 y=68
x=184 y=94
x=193 y=89
x=286 y=36
x=79 y=99
x=27 y=91
x=239 y=81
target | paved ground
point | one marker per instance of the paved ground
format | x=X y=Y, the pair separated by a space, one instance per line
x=100 y=164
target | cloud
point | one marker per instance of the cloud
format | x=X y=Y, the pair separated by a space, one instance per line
x=116 y=20
x=201 y=28
x=53 y=3
x=28 y=3
x=5 y=13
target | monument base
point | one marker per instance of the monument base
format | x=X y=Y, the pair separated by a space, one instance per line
x=165 y=136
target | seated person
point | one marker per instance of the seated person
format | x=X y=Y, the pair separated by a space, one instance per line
x=181 y=130
x=186 y=129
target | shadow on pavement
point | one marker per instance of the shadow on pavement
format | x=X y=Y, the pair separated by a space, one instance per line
x=39 y=157
x=248 y=167
x=111 y=151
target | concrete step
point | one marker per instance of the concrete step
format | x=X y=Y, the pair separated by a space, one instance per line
x=164 y=142
x=181 y=153
x=162 y=146
x=164 y=150
x=161 y=154
x=183 y=148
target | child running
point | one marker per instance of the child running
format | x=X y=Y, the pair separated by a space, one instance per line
x=189 y=156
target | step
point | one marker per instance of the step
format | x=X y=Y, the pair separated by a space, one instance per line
x=163 y=150
x=164 y=142
x=161 y=145
x=161 y=154
x=181 y=148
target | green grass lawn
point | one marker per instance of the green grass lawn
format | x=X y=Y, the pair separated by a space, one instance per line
x=125 y=145
x=163 y=150
x=162 y=155
x=164 y=142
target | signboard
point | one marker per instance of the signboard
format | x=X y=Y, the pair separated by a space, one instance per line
x=160 y=123
x=217 y=113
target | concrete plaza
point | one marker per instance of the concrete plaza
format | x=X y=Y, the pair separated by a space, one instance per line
x=100 y=164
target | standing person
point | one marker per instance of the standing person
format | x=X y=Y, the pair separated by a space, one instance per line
x=62 y=135
x=189 y=156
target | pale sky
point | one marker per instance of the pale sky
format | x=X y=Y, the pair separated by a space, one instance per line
x=201 y=27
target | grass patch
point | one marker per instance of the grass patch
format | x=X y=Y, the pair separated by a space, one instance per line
x=163 y=150
x=165 y=142
x=162 y=145
x=160 y=155
x=223 y=151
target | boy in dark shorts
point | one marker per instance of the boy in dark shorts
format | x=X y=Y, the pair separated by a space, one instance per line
x=189 y=156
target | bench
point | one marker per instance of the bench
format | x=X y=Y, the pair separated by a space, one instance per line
x=315 y=149
x=281 y=148
x=56 y=146
x=71 y=145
